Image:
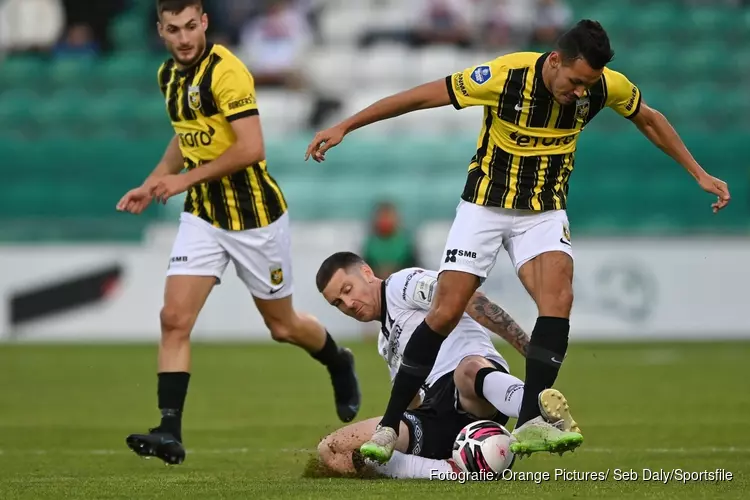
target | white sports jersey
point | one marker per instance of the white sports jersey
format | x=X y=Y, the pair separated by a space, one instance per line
x=406 y=297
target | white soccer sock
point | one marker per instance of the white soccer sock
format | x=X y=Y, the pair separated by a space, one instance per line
x=504 y=391
x=403 y=466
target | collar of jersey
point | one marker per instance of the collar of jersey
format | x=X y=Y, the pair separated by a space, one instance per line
x=383 y=304
x=206 y=53
x=541 y=89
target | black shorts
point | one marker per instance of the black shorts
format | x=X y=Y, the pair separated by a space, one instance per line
x=434 y=425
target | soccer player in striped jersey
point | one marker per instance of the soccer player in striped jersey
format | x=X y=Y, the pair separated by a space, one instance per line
x=234 y=211
x=535 y=107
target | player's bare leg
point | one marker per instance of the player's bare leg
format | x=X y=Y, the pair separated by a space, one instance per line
x=454 y=290
x=184 y=297
x=339 y=453
x=305 y=331
x=483 y=390
x=549 y=280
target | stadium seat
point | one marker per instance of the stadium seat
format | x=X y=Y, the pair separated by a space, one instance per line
x=22 y=72
x=438 y=62
x=129 y=70
x=343 y=26
x=129 y=33
x=68 y=73
x=387 y=65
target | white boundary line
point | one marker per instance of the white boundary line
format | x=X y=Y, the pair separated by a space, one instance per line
x=731 y=450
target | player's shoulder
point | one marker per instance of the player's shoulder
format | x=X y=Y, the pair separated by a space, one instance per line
x=401 y=285
x=227 y=60
x=497 y=69
x=517 y=60
x=614 y=77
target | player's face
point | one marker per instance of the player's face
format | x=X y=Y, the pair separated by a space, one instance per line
x=355 y=292
x=571 y=80
x=184 y=34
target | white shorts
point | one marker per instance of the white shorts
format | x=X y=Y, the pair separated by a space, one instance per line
x=262 y=256
x=478 y=233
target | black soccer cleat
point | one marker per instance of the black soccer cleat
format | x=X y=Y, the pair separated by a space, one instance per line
x=158 y=444
x=346 y=388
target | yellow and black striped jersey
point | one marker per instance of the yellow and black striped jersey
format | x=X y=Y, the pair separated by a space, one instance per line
x=525 y=151
x=202 y=101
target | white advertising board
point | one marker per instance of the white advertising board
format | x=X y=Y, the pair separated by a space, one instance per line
x=625 y=289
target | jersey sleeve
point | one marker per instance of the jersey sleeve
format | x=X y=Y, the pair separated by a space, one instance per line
x=415 y=288
x=234 y=90
x=622 y=95
x=476 y=86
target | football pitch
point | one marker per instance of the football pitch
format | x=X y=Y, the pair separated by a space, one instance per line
x=255 y=413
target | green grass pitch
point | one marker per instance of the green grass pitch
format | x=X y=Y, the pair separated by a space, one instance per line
x=256 y=412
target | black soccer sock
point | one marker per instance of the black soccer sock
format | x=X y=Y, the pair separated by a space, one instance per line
x=330 y=355
x=172 y=390
x=547 y=348
x=419 y=358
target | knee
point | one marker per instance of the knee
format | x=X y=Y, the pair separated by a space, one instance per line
x=282 y=331
x=465 y=375
x=558 y=302
x=175 y=322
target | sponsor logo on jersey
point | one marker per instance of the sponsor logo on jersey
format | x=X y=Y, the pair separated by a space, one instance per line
x=196 y=139
x=631 y=102
x=453 y=255
x=460 y=85
x=408 y=280
x=481 y=74
x=194 y=97
x=246 y=101
x=523 y=140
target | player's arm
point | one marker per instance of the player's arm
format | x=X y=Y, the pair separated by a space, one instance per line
x=470 y=87
x=137 y=200
x=625 y=98
x=495 y=319
x=662 y=134
x=247 y=150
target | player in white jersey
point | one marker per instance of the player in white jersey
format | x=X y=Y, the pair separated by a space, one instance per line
x=469 y=381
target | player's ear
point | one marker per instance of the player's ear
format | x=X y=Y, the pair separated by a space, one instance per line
x=554 y=59
x=204 y=21
x=368 y=273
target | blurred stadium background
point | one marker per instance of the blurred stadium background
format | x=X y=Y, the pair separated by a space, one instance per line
x=82 y=121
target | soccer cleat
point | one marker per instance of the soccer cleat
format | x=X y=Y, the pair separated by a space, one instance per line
x=538 y=435
x=554 y=408
x=346 y=389
x=157 y=443
x=380 y=446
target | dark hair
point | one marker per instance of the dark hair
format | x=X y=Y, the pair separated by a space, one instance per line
x=339 y=260
x=176 y=6
x=586 y=40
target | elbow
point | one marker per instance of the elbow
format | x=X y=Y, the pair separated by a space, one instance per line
x=252 y=154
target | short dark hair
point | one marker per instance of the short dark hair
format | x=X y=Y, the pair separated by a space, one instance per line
x=339 y=260
x=586 y=40
x=176 y=6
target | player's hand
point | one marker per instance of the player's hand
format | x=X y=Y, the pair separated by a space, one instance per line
x=323 y=141
x=168 y=186
x=135 y=201
x=719 y=188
